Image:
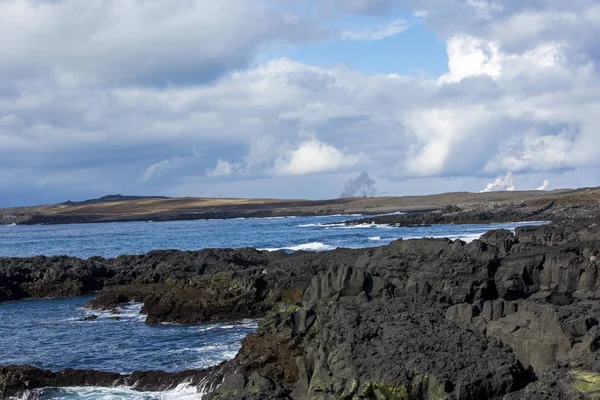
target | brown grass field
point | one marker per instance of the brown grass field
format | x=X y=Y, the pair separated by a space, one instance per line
x=200 y=208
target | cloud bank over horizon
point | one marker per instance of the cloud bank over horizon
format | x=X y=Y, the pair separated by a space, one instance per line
x=228 y=97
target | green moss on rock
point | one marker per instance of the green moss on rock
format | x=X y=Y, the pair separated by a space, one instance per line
x=587 y=383
x=390 y=392
x=424 y=387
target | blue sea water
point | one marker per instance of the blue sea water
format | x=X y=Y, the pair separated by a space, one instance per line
x=292 y=233
x=51 y=333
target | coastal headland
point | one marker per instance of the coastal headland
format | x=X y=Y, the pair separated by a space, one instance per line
x=115 y=208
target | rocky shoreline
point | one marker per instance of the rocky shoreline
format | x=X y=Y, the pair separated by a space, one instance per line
x=509 y=316
x=117 y=208
x=584 y=206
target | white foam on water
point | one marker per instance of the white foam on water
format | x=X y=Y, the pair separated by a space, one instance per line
x=245 y=323
x=208 y=362
x=207 y=328
x=241 y=218
x=215 y=351
x=465 y=237
x=336 y=215
x=184 y=391
x=371 y=225
x=211 y=355
x=219 y=346
x=344 y=225
x=313 y=246
x=131 y=310
x=128 y=311
x=375 y=238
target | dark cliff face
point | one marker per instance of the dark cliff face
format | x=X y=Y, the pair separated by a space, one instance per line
x=509 y=316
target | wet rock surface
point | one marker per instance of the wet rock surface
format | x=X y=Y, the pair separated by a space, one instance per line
x=512 y=316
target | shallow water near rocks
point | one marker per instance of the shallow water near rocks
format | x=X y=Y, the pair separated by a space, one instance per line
x=51 y=333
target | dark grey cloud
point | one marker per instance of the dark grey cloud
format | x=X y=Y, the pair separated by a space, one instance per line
x=140 y=42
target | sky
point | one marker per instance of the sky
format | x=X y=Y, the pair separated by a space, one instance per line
x=296 y=98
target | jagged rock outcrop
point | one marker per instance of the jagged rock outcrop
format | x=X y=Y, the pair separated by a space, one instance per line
x=175 y=286
x=360 y=349
x=497 y=318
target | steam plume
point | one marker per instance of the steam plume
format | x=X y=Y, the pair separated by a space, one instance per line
x=544 y=185
x=361 y=186
x=503 y=183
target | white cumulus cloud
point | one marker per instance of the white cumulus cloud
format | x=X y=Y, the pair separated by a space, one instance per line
x=471 y=56
x=313 y=156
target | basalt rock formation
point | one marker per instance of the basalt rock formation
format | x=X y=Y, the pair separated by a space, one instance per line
x=508 y=316
x=175 y=286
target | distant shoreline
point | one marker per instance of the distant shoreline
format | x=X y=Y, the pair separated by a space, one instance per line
x=158 y=209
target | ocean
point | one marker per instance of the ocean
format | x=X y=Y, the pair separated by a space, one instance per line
x=52 y=333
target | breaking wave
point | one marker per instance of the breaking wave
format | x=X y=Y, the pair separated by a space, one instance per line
x=182 y=392
x=313 y=246
x=131 y=310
